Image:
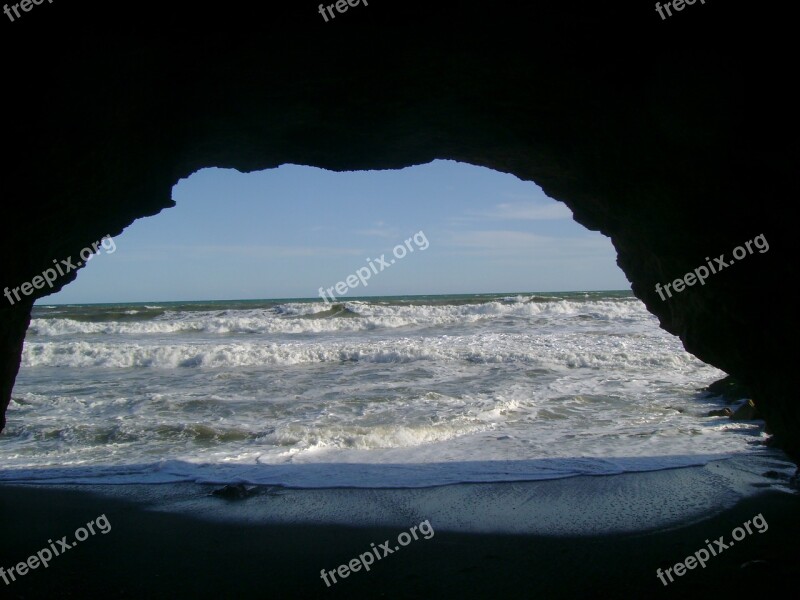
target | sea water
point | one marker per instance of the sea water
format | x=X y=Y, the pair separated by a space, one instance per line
x=373 y=392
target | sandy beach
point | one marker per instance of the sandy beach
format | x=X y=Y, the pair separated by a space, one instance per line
x=527 y=539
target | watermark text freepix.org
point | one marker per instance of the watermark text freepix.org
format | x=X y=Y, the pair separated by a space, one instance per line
x=25 y=5
x=376 y=553
x=677 y=5
x=44 y=556
x=341 y=7
x=364 y=273
x=701 y=556
x=49 y=276
x=702 y=273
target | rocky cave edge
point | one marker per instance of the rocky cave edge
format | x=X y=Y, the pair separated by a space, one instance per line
x=676 y=138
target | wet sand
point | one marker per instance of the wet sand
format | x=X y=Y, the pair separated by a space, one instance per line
x=508 y=540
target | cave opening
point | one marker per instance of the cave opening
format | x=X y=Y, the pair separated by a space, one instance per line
x=444 y=319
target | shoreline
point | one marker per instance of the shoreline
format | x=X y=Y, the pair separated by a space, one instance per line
x=566 y=538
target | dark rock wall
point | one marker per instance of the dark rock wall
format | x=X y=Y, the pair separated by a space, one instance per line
x=13 y=324
x=677 y=137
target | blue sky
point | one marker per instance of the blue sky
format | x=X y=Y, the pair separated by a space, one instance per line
x=286 y=232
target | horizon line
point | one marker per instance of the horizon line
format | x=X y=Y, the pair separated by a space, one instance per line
x=39 y=302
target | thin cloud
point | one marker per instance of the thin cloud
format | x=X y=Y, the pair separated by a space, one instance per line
x=520 y=211
x=521 y=244
x=380 y=233
x=266 y=252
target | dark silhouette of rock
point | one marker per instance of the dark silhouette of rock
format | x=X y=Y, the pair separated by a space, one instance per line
x=235 y=491
x=746 y=412
x=675 y=138
x=729 y=389
x=723 y=412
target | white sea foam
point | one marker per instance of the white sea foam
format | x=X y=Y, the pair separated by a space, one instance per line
x=365 y=317
x=551 y=351
x=368 y=393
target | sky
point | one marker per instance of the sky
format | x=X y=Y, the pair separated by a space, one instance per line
x=287 y=232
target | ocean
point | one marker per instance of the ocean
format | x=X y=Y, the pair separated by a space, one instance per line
x=374 y=392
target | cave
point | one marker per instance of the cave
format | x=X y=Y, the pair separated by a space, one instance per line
x=674 y=137
x=668 y=136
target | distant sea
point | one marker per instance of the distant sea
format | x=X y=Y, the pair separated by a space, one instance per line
x=373 y=392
